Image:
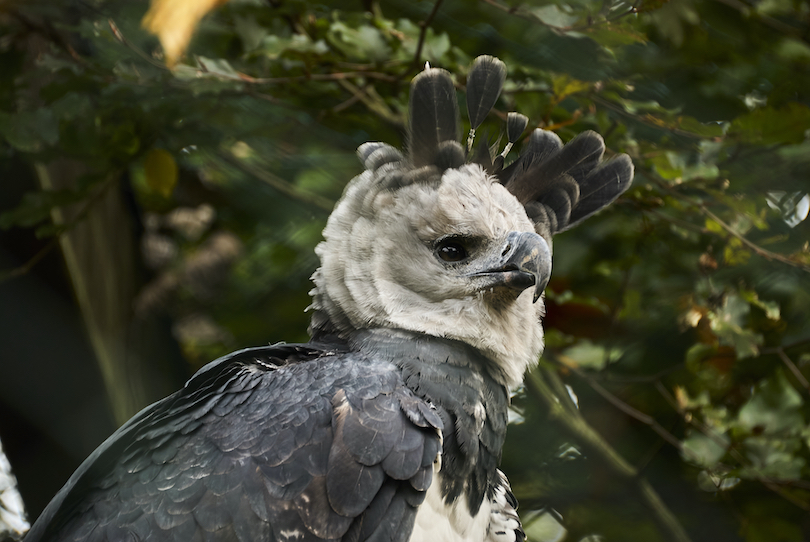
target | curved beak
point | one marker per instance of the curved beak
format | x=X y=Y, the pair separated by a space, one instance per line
x=524 y=261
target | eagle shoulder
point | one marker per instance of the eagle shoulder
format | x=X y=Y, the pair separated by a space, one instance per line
x=290 y=442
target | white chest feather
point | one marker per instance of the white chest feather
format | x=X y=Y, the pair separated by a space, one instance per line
x=436 y=520
x=496 y=520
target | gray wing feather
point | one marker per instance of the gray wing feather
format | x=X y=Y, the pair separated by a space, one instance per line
x=332 y=448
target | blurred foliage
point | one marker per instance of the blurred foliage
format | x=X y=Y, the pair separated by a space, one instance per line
x=678 y=324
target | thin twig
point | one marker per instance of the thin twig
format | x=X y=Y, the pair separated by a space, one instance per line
x=798 y=344
x=355 y=97
x=368 y=95
x=793 y=369
x=121 y=38
x=338 y=76
x=27 y=266
x=646 y=419
x=767 y=254
x=279 y=184
x=622 y=111
x=424 y=25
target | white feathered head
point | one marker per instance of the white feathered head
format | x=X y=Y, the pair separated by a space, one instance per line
x=448 y=242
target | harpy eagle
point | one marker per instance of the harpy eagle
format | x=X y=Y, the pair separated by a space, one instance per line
x=388 y=424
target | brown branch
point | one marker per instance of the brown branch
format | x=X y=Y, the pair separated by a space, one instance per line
x=793 y=369
x=368 y=95
x=27 y=266
x=798 y=344
x=338 y=76
x=634 y=413
x=622 y=111
x=424 y=25
x=355 y=97
x=540 y=384
x=767 y=254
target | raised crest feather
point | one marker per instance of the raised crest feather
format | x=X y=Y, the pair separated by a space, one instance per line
x=484 y=85
x=559 y=185
x=433 y=112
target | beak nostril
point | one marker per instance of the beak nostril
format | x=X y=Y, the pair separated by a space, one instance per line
x=506 y=250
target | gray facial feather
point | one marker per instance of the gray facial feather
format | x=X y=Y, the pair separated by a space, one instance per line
x=379 y=268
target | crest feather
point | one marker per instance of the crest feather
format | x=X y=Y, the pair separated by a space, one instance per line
x=559 y=185
x=433 y=112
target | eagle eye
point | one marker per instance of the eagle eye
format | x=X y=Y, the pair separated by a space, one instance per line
x=451 y=251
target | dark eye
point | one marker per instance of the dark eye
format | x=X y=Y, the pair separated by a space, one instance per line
x=451 y=251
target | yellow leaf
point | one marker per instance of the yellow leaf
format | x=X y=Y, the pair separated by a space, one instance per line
x=564 y=85
x=173 y=22
x=161 y=171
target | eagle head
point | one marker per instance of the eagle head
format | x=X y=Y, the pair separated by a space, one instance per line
x=446 y=241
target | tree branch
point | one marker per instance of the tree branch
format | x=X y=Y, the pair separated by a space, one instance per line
x=424 y=25
x=539 y=382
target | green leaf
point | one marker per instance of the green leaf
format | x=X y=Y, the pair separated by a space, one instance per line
x=774 y=407
x=697 y=354
x=564 y=85
x=554 y=15
x=275 y=46
x=705 y=450
x=613 y=34
x=365 y=42
x=768 y=126
x=591 y=356
x=727 y=324
x=30 y=131
x=36 y=207
x=773 y=458
x=771 y=308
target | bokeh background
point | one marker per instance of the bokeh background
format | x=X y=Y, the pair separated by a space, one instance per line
x=159 y=208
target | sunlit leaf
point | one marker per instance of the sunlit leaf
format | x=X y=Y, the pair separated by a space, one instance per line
x=774 y=458
x=774 y=407
x=174 y=21
x=564 y=85
x=727 y=322
x=771 y=308
x=705 y=450
x=592 y=356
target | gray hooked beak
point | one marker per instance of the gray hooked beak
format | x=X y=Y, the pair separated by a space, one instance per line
x=524 y=261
